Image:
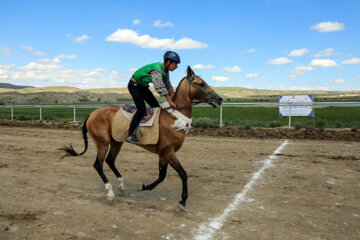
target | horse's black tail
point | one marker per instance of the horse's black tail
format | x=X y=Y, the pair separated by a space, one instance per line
x=70 y=151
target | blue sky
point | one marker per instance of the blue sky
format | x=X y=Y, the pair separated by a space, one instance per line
x=262 y=44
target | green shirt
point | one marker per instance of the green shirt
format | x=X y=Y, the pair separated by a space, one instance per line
x=143 y=77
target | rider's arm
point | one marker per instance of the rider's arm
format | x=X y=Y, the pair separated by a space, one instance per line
x=168 y=86
x=159 y=85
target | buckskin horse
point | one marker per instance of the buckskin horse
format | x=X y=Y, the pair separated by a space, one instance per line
x=191 y=90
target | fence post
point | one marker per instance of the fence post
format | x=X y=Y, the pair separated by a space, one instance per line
x=74 y=113
x=40 y=113
x=12 y=112
x=290 y=115
x=221 y=116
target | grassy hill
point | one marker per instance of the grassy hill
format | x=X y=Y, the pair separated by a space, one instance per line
x=12 y=86
x=72 y=95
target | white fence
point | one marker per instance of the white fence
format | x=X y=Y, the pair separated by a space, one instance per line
x=259 y=104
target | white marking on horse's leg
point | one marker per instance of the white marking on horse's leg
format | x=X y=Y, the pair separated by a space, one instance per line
x=121 y=184
x=206 y=230
x=110 y=194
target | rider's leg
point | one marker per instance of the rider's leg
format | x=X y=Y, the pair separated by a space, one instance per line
x=149 y=98
x=141 y=108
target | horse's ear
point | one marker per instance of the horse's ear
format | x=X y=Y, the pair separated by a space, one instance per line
x=190 y=72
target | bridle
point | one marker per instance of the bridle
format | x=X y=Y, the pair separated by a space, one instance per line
x=193 y=101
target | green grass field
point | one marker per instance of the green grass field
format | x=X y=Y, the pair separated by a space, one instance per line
x=331 y=117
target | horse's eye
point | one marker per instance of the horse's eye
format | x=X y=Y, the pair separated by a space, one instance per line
x=202 y=84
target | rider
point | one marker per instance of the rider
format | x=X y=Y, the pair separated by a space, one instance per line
x=158 y=74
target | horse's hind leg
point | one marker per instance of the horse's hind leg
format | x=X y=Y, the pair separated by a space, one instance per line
x=162 y=174
x=110 y=160
x=98 y=165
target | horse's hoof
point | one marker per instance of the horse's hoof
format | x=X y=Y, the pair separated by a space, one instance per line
x=141 y=188
x=181 y=207
x=121 y=185
x=110 y=194
x=110 y=198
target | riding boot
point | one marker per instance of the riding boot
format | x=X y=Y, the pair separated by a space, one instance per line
x=132 y=138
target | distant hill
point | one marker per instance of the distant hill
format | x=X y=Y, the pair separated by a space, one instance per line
x=72 y=95
x=12 y=86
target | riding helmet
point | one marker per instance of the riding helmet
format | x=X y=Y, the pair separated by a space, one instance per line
x=172 y=56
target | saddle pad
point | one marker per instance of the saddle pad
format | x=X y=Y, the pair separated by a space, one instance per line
x=120 y=129
x=129 y=111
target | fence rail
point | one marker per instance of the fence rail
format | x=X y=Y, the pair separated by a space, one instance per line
x=259 y=104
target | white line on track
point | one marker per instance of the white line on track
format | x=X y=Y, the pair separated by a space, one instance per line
x=206 y=230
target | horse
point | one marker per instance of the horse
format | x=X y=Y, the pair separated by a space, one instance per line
x=191 y=90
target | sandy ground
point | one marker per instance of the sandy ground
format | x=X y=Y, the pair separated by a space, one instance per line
x=311 y=191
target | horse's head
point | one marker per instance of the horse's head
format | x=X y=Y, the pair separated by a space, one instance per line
x=200 y=90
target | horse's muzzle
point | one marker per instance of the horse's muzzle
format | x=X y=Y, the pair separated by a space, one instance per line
x=214 y=100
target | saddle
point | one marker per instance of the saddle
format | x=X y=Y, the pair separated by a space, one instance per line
x=129 y=111
x=148 y=130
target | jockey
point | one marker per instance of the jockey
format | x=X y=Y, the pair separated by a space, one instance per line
x=158 y=74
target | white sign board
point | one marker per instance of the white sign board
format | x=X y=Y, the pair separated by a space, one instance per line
x=296 y=105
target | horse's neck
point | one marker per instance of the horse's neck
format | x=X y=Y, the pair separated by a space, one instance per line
x=182 y=99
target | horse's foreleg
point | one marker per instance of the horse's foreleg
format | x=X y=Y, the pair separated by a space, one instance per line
x=174 y=162
x=110 y=160
x=162 y=174
x=98 y=165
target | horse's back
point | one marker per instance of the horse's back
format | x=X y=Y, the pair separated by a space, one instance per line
x=100 y=122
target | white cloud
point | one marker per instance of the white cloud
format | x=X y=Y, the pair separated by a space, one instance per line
x=323 y=63
x=338 y=81
x=44 y=64
x=145 y=41
x=5 y=50
x=279 y=61
x=328 y=26
x=323 y=88
x=82 y=39
x=351 y=61
x=290 y=88
x=304 y=68
x=136 y=21
x=200 y=66
x=251 y=50
x=158 y=23
x=128 y=73
x=292 y=76
x=50 y=72
x=298 y=52
x=39 y=53
x=28 y=48
x=66 y=56
x=4 y=70
x=220 y=78
x=252 y=75
x=325 y=53
x=300 y=88
x=233 y=69
x=298 y=71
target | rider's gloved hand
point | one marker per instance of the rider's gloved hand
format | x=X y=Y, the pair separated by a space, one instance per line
x=172 y=104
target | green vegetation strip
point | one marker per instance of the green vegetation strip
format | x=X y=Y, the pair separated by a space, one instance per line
x=244 y=117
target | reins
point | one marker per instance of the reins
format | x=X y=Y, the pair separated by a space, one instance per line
x=186 y=106
x=193 y=103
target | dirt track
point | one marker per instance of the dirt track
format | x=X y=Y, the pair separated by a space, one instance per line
x=312 y=190
x=338 y=134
